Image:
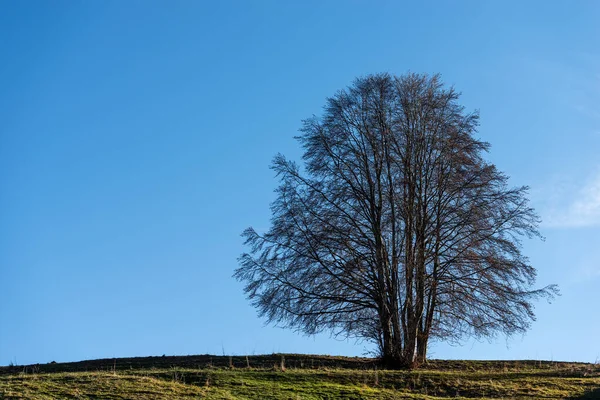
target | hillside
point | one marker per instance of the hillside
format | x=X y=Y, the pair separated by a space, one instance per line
x=293 y=376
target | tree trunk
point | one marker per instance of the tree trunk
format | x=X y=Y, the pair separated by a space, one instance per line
x=392 y=352
x=422 y=348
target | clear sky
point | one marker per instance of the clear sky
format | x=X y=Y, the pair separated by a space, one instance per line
x=135 y=140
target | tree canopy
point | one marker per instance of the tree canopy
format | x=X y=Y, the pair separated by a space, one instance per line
x=395 y=229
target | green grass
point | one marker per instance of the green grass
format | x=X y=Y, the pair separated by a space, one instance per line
x=304 y=377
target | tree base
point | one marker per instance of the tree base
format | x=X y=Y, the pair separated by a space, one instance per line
x=399 y=363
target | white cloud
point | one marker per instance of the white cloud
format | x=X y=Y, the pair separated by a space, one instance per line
x=582 y=210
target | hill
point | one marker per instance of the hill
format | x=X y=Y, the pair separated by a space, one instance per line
x=294 y=376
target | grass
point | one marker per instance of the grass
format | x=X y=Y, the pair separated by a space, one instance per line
x=304 y=377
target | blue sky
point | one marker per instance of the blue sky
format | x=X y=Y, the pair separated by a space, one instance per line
x=135 y=140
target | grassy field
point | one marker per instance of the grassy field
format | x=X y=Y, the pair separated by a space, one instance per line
x=297 y=377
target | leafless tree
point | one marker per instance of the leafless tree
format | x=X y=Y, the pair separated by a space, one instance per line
x=396 y=230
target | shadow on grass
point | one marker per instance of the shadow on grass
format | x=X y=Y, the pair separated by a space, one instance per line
x=197 y=361
x=594 y=394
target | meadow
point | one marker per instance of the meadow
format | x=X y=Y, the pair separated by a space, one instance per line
x=295 y=376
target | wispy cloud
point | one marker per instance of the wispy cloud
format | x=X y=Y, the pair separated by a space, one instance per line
x=587 y=270
x=584 y=92
x=590 y=271
x=576 y=81
x=581 y=209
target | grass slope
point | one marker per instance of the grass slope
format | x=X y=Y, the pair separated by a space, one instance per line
x=302 y=377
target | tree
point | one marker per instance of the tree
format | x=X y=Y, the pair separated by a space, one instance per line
x=396 y=230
